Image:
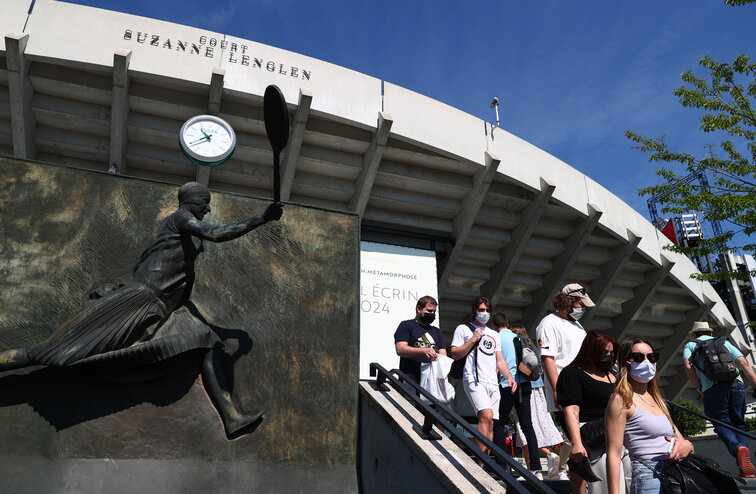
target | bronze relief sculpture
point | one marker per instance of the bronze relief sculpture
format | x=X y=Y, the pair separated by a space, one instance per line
x=148 y=319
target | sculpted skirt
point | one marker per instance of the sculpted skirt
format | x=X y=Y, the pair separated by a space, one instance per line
x=128 y=325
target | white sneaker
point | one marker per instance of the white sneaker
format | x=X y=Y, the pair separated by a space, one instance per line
x=563 y=476
x=553 y=466
x=537 y=474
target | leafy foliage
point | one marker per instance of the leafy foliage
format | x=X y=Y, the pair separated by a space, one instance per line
x=689 y=424
x=727 y=97
x=750 y=424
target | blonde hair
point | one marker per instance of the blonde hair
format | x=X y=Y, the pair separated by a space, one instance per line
x=624 y=390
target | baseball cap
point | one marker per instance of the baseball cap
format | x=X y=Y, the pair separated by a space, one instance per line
x=577 y=290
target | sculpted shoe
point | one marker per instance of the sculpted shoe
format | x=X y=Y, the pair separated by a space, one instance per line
x=244 y=424
x=747 y=469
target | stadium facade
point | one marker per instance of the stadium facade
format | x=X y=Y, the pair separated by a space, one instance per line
x=104 y=91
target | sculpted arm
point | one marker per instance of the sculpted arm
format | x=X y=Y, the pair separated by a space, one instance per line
x=230 y=231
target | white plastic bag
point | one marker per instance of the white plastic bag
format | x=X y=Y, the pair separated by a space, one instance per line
x=433 y=379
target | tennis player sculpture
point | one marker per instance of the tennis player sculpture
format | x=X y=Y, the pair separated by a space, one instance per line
x=147 y=320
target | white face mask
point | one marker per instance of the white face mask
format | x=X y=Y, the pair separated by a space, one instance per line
x=577 y=313
x=643 y=372
x=482 y=317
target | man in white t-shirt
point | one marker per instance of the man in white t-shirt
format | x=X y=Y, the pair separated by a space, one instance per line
x=482 y=347
x=560 y=336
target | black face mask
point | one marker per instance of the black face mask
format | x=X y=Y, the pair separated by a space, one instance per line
x=605 y=361
x=428 y=317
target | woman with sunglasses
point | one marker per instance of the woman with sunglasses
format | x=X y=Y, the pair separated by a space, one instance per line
x=638 y=418
x=583 y=391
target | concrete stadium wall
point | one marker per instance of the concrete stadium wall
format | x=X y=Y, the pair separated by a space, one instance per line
x=285 y=296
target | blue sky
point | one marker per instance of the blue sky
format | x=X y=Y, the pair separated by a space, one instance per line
x=571 y=76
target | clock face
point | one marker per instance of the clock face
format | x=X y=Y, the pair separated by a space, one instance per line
x=207 y=140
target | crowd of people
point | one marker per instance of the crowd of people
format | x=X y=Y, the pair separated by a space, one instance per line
x=597 y=400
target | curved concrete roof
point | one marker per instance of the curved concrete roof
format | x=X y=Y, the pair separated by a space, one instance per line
x=509 y=221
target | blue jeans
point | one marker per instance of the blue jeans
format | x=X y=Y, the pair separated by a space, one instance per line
x=645 y=479
x=726 y=402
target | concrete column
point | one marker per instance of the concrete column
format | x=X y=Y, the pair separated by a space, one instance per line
x=119 y=110
x=23 y=123
x=370 y=162
x=294 y=146
x=464 y=221
x=213 y=108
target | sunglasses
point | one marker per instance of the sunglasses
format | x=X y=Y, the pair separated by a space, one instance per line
x=581 y=291
x=639 y=357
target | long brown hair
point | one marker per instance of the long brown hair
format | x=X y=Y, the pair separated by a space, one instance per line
x=623 y=388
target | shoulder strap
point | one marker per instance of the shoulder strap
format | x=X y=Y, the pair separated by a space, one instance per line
x=518 y=349
x=475 y=355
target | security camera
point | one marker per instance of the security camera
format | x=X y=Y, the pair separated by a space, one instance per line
x=495 y=102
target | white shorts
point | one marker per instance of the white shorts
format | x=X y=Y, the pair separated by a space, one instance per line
x=483 y=396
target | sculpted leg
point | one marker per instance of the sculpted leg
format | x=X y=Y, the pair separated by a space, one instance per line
x=236 y=421
x=13 y=359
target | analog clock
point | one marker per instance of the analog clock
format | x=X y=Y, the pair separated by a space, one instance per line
x=207 y=140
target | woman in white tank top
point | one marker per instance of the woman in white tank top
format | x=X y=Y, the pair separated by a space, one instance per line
x=638 y=418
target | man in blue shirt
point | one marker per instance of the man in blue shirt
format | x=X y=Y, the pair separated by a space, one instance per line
x=519 y=400
x=723 y=401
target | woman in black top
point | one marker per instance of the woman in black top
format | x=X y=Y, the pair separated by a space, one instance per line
x=583 y=390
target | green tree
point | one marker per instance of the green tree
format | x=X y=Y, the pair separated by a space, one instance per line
x=727 y=96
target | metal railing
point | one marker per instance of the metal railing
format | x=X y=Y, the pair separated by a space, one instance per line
x=709 y=419
x=450 y=420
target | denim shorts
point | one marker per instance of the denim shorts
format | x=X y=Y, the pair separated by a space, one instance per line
x=646 y=476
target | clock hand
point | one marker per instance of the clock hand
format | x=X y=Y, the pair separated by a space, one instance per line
x=207 y=137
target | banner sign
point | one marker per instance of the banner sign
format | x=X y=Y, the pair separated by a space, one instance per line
x=392 y=279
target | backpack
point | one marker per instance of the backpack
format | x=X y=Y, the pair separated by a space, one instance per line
x=528 y=358
x=718 y=363
x=458 y=366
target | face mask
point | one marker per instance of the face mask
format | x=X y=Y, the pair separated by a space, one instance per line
x=577 y=313
x=605 y=361
x=482 y=317
x=428 y=317
x=643 y=372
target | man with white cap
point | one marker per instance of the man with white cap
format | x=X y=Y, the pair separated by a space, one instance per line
x=559 y=336
x=721 y=387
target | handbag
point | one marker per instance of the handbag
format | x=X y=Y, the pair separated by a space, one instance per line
x=696 y=475
x=593 y=434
